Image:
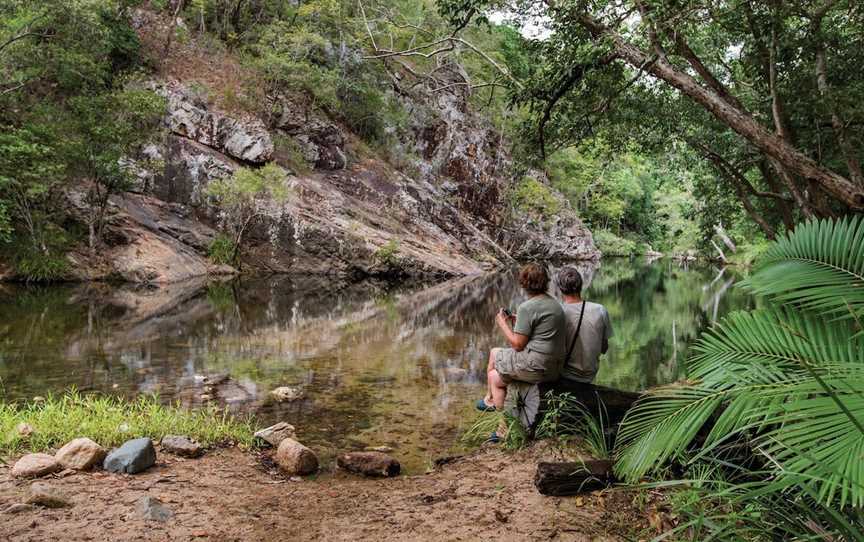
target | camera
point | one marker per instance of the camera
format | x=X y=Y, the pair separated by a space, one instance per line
x=506 y=311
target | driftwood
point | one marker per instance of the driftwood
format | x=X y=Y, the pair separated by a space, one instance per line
x=560 y=479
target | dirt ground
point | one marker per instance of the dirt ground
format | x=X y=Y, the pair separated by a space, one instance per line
x=230 y=494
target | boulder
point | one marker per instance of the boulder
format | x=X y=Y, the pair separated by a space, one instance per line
x=369 y=464
x=48 y=496
x=80 y=454
x=181 y=445
x=132 y=457
x=34 y=466
x=275 y=434
x=151 y=508
x=287 y=393
x=295 y=459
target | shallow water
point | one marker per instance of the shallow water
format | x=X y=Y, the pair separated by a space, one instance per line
x=378 y=365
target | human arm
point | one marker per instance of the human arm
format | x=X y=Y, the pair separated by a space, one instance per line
x=517 y=340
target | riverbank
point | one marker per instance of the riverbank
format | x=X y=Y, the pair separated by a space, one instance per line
x=230 y=494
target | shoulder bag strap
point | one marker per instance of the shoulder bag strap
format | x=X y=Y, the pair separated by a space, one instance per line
x=578 y=328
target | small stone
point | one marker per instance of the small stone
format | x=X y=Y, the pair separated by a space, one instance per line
x=123 y=427
x=287 y=394
x=38 y=399
x=181 y=445
x=19 y=508
x=24 y=430
x=205 y=397
x=35 y=466
x=382 y=449
x=80 y=454
x=132 y=457
x=42 y=494
x=369 y=464
x=151 y=508
x=295 y=459
x=275 y=434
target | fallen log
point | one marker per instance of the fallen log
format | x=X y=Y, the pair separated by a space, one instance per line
x=562 y=479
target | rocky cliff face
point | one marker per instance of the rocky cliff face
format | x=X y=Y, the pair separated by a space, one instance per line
x=444 y=215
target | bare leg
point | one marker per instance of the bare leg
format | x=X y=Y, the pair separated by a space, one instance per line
x=490 y=367
x=498 y=388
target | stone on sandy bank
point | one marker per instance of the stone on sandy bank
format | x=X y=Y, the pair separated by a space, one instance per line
x=369 y=464
x=80 y=454
x=34 y=466
x=19 y=508
x=132 y=457
x=287 y=393
x=152 y=509
x=42 y=494
x=295 y=459
x=181 y=445
x=275 y=434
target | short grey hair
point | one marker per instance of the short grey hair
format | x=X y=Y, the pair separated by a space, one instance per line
x=569 y=280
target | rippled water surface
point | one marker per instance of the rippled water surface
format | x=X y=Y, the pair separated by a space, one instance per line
x=378 y=365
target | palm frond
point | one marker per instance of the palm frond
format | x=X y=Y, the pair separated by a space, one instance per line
x=819 y=266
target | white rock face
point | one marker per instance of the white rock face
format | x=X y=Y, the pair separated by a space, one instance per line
x=34 y=466
x=295 y=459
x=80 y=454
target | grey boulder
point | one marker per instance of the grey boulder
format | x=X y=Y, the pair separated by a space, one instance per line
x=181 y=445
x=275 y=434
x=132 y=457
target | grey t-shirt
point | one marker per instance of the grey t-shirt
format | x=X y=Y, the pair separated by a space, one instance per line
x=541 y=318
x=593 y=340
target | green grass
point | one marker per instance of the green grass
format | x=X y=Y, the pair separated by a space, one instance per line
x=110 y=421
x=487 y=422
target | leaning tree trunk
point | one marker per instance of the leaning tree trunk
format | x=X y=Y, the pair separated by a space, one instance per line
x=769 y=143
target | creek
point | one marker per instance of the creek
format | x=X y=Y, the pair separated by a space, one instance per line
x=378 y=364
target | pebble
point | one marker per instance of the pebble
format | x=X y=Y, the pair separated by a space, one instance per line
x=181 y=445
x=45 y=495
x=80 y=454
x=275 y=434
x=151 y=508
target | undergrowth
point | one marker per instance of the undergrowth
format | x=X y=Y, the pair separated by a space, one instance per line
x=110 y=421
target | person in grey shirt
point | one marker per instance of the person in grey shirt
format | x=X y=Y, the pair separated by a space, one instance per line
x=593 y=335
x=536 y=338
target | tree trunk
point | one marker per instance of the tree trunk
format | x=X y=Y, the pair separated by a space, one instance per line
x=740 y=121
x=721 y=232
x=719 y=250
x=560 y=479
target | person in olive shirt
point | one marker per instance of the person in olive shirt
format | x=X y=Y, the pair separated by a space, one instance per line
x=536 y=336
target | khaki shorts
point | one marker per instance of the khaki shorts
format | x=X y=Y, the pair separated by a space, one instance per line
x=526 y=366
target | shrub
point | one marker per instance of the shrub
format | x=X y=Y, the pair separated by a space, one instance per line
x=612 y=245
x=532 y=196
x=222 y=250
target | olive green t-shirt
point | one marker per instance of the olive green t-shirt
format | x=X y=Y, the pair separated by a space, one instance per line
x=542 y=319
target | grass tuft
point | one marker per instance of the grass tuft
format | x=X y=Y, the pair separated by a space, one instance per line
x=515 y=436
x=110 y=421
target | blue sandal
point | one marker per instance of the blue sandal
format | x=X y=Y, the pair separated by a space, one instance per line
x=483 y=407
x=494 y=438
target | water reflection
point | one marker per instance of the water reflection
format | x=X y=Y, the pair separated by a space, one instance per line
x=380 y=365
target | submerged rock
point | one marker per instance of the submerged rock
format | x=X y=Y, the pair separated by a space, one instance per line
x=151 y=508
x=287 y=394
x=80 y=454
x=181 y=445
x=275 y=434
x=35 y=466
x=295 y=459
x=132 y=457
x=369 y=464
x=48 y=496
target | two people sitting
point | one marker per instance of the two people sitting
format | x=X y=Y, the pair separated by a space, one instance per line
x=549 y=340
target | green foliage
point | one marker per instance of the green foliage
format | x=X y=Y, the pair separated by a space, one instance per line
x=781 y=381
x=110 y=421
x=388 y=253
x=566 y=418
x=612 y=245
x=37 y=266
x=532 y=196
x=247 y=185
x=515 y=435
x=222 y=250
